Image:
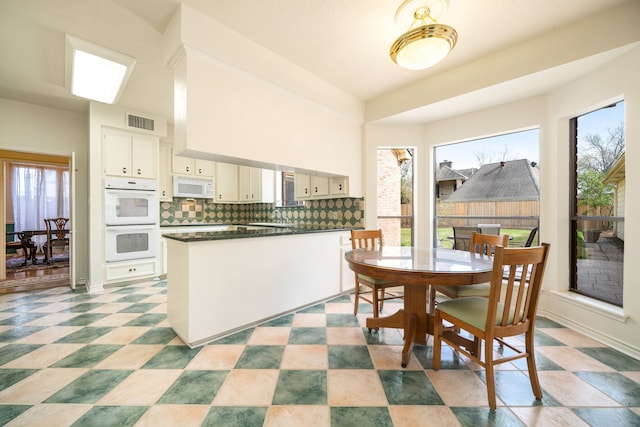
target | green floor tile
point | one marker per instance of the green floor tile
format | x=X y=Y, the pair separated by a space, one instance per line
x=18 y=332
x=89 y=387
x=386 y=336
x=156 y=336
x=608 y=416
x=241 y=337
x=84 y=307
x=194 y=387
x=342 y=320
x=356 y=417
x=9 y=377
x=11 y=352
x=618 y=387
x=87 y=356
x=260 y=357
x=308 y=336
x=279 y=321
x=139 y=308
x=317 y=308
x=542 y=339
x=85 y=335
x=9 y=412
x=148 y=320
x=483 y=417
x=612 y=358
x=111 y=416
x=235 y=416
x=404 y=387
x=172 y=357
x=22 y=318
x=83 y=319
x=514 y=389
x=132 y=298
x=301 y=388
x=349 y=357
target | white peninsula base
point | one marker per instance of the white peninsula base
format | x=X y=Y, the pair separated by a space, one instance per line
x=215 y=287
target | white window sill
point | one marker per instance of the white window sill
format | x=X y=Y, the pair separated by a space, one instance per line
x=602 y=308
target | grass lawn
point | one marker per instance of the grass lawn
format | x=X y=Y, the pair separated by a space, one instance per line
x=517 y=237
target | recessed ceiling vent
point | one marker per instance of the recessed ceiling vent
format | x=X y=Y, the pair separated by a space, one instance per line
x=136 y=121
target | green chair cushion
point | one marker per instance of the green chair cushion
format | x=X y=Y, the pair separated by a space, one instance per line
x=372 y=280
x=472 y=310
x=479 y=290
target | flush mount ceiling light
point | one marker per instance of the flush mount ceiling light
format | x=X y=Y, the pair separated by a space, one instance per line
x=426 y=42
x=95 y=72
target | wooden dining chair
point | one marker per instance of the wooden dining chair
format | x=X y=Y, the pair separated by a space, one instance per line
x=480 y=244
x=56 y=235
x=509 y=311
x=378 y=293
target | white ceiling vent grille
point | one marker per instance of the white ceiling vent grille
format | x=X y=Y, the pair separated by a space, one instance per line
x=136 y=121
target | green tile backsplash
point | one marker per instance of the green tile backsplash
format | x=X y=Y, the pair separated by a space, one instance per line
x=324 y=213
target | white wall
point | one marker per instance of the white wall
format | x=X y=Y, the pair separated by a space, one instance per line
x=614 y=81
x=36 y=129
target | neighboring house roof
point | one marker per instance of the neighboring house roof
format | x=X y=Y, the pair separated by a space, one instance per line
x=511 y=180
x=445 y=173
x=616 y=172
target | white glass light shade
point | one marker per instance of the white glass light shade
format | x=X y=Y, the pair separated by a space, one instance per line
x=424 y=46
x=95 y=72
x=96 y=78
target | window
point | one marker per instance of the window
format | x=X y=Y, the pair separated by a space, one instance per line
x=285 y=190
x=38 y=192
x=395 y=195
x=490 y=183
x=597 y=208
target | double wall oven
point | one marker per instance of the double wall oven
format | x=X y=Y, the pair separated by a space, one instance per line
x=131 y=219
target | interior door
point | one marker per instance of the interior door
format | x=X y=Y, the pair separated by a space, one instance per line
x=72 y=220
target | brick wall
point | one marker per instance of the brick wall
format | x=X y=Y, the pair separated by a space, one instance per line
x=388 y=201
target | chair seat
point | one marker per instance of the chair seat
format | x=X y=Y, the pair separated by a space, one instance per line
x=472 y=310
x=479 y=290
x=372 y=280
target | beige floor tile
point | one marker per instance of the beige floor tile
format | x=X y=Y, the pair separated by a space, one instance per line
x=309 y=320
x=345 y=336
x=164 y=324
x=267 y=335
x=54 y=307
x=355 y=388
x=47 y=415
x=130 y=356
x=116 y=319
x=635 y=375
x=548 y=417
x=49 y=335
x=159 y=309
x=112 y=307
x=573 y=360
x=295 y=416
x=247 y=387
x=53 y=319
x=176 y=341
x=123 y=335
x=340 y=308
x=173 y=415
x=460 y=387
x=570 y=390
x=44 y=356
x=216 y=357
x=571 y=337
x=416 y=416
x=107 y=298
x=305 y=357
x=142 y=387
x=635 y=411
x=154 y=298
x=390 y=357
x=37 y=387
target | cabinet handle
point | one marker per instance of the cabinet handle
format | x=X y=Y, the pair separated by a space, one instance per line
x=187 y=168
x=340 y=187
x=200 y=171
x=132 y=269
x=220 y=196
x=124 y=170
x=306 y=191
x=164 y=193
x=316 y=189
x=139 y=172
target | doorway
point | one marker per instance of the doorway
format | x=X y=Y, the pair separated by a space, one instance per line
x=395 y=195
x=33 y=187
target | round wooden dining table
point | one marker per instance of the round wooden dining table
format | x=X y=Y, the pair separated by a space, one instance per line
x=417 y=269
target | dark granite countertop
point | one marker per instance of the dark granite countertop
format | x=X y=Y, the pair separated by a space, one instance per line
x=240 y=232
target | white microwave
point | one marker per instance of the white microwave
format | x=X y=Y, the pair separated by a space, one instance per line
x=197 y=188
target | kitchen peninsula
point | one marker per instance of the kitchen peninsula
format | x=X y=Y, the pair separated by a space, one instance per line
x=221 y=281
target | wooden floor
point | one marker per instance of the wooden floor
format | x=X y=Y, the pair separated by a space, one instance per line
x=36 y=279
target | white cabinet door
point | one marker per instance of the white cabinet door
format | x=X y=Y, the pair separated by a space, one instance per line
x=226 y=182
x=302 y=186
x=165 y=184
x=319 y=186
x=129 y=155
x=182 y=165
x=339 y=186
x=249 y=184
x=204 y=168
x=268 y=183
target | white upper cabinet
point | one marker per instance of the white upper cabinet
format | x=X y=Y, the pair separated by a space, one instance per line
x=320 y=187
x=189 y=166
x=250 y=184
x=126 y=154
x=302 y=186
x=339 y=186
x=226 y=182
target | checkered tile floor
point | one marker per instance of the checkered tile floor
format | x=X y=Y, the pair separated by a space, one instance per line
x=113 y=360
